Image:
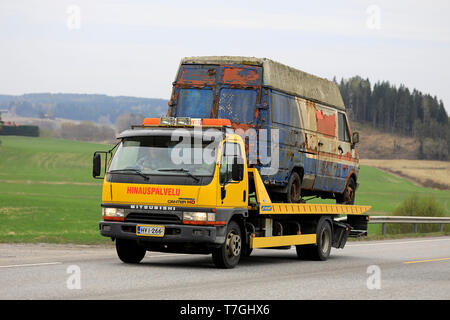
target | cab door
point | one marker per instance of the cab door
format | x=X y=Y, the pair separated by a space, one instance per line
x=233 y=194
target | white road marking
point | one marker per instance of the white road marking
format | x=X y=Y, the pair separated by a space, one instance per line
x=393 y=243
x=31 y=264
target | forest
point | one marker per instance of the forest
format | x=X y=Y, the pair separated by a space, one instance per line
x=398 y=110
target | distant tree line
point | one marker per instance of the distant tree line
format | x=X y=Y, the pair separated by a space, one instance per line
x=82 y=107
x=400 y=111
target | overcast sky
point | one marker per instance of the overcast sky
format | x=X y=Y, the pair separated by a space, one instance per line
x=134 y=47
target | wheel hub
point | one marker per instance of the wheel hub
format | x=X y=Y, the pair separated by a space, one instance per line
x=234 y=244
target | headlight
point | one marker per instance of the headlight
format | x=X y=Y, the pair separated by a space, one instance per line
x=199 y=216
x=113 y=212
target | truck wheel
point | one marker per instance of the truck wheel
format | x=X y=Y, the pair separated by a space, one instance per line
x=228 y=255
x=348 y=196
x=321 y=250
x=129 y=251
x=294 y=194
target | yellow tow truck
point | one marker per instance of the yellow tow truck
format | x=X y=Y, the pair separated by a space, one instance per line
x=183 y=185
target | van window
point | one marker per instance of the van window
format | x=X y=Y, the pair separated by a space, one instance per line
x=343 y=133
x=285 y=110
x=195 y=103
x=238 y=105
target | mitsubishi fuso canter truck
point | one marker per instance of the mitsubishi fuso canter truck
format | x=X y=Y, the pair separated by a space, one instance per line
x=226 y=170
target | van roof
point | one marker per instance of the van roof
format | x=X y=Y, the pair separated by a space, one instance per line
x=282 y=77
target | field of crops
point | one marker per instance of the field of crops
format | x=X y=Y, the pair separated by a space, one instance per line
x=47 y=193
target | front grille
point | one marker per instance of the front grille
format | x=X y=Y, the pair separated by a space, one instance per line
x=142 y=217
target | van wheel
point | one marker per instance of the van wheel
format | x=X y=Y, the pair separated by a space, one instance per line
x=321 y=250
x=227 y=256
x=129 y=251
x=348 y=196
x=294 y=189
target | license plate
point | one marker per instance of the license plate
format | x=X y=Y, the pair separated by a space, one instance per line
x=150 y=230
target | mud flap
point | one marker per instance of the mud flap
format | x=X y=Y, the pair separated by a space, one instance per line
x=341 y=232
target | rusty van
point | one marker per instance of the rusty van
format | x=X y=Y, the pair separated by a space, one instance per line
x=314 y=151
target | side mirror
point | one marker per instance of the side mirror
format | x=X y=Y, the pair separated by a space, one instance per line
x=355 y=138
x=96 y=165
x=237 y=169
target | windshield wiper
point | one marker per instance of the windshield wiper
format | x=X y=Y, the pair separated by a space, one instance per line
x=180 y=170
x=137 y=171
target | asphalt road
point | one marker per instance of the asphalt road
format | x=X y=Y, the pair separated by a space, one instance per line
x=391 y=269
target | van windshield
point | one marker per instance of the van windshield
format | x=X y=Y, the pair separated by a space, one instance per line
x=164 y=155
x=238 y=105
x=195 y=103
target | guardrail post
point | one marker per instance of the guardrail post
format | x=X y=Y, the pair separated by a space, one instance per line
x=383 y=228
x=441 y=228
x=415 y=227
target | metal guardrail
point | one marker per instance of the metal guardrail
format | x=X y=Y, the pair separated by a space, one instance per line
x=409 y=220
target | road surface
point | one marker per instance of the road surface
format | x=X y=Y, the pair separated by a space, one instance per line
x=391 y=269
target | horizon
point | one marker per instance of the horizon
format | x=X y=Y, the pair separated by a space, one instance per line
x=411 y=90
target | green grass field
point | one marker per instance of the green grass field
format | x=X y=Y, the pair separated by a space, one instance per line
x=47 y=193
x=384 y=192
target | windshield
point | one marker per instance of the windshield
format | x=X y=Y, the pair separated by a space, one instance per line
x=238 y=105
x=195 y=103
x=165 y=155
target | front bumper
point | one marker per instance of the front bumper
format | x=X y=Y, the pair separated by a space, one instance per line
x=174 y=233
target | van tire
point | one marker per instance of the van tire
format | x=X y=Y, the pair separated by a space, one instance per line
x=348 y=196
x=129 y=251
x=294 y=189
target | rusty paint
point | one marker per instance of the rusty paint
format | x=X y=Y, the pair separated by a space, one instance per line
x=197 y=76
x=326 y=124
x=240 y=75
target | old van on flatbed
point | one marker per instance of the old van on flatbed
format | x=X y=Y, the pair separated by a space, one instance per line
x=317 y=154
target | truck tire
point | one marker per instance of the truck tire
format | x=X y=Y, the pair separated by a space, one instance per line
x=294 y=193
x=321 y=250
x=129 y=251
x=348 y=196
x=227 y=256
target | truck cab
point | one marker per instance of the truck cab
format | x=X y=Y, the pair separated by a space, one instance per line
x=182 y=183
